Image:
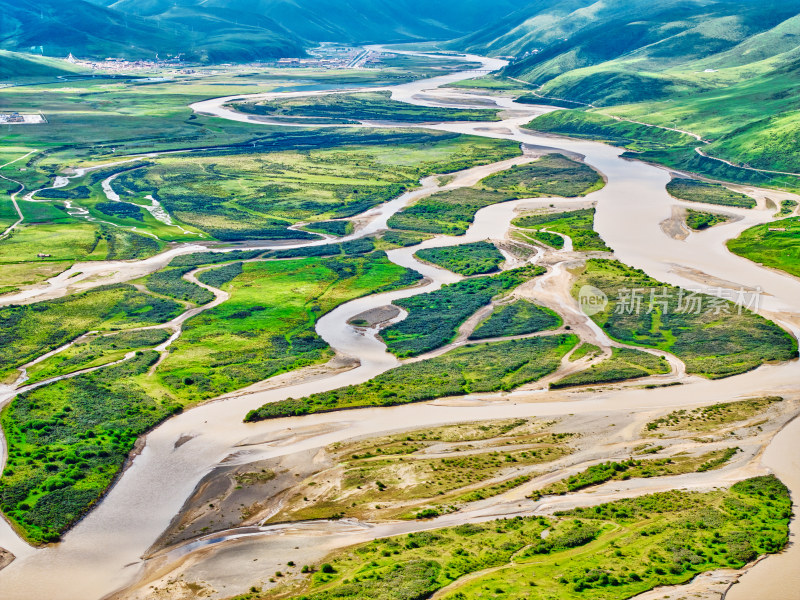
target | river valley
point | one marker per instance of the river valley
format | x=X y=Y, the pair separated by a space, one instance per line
x=103 y=553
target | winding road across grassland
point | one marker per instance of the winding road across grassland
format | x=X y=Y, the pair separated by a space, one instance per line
x=103 y=552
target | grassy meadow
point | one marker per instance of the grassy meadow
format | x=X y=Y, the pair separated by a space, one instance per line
x=718 y=340
x=363 y=106
x=613 y=551
x=473 y=368
x=452 y=212
x=434 y=318
x=622 y=365
x=478 y=258
x=578 y=225
x=771 y=244
x=517 y=318
x=267 y=326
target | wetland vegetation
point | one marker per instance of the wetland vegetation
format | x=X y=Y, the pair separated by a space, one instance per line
x=426 y=472
x=622 y=365
x=478 y=258
x=451 y=212
x=615 y=550
x=364 y=106
x=713 y=336
x=517 y=318
x=68 y=441
x=434 y=318
x=267 y=326
x=772 y=244
x=698 y=220
x=578 y=225
x=31 y=330
x=708 y=193
x=473 y=368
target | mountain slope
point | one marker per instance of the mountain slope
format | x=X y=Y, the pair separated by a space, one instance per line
x=56 y=28
x=229 y=30
x=331 y=20
x=626 y=50
x=15 y=65
x=728 y=70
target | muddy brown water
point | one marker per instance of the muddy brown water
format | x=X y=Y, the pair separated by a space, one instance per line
x=102 y=553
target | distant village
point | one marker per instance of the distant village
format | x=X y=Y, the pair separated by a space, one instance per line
x=324 y=57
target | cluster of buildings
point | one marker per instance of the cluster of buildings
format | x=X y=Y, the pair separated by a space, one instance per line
x=122 y=65
x=334 y=57
x=15 y=118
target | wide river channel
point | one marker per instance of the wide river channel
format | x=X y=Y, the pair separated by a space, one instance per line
x=103 y=552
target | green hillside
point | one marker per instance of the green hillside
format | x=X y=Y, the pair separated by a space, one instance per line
x=332 y=20
x=15 y=65
x=56 y=28
x=727 y=70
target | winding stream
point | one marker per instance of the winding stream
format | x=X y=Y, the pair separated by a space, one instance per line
x=103 y=552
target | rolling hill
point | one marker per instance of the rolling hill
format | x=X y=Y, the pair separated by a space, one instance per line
x=56 y=28
x=728 y=70
x=619 y=51
x=229 y=30
x=331 y=20
x=16 y=64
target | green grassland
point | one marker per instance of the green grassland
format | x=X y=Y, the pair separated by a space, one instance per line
x=518 y=318
x=69 y=439
x=365 y=106
x=452 y=212
x=699 y=220
x=787 y=207
x=710 y=193
x=623 y=364
x=170 y=282
x=577 y=225
x=336 y=228
x=718 y=340
x=750 y=118
x=469 y=369
x=479 y=258
x=8 y=214
x=653 y=144
x=30 y=330
x=613 y=551
x=635 y=468
x=126 y=116
x=551 y=175
x=78 y=241
x=433 y=318
x=119 y=118
x=267 y=326
x=258 y=194
x=67 y=442
x=583 y=350
x=95 y=351
x=777 y=249
x=710 y=418
x=633 y=136
x=51 y=231
x=17 y=64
